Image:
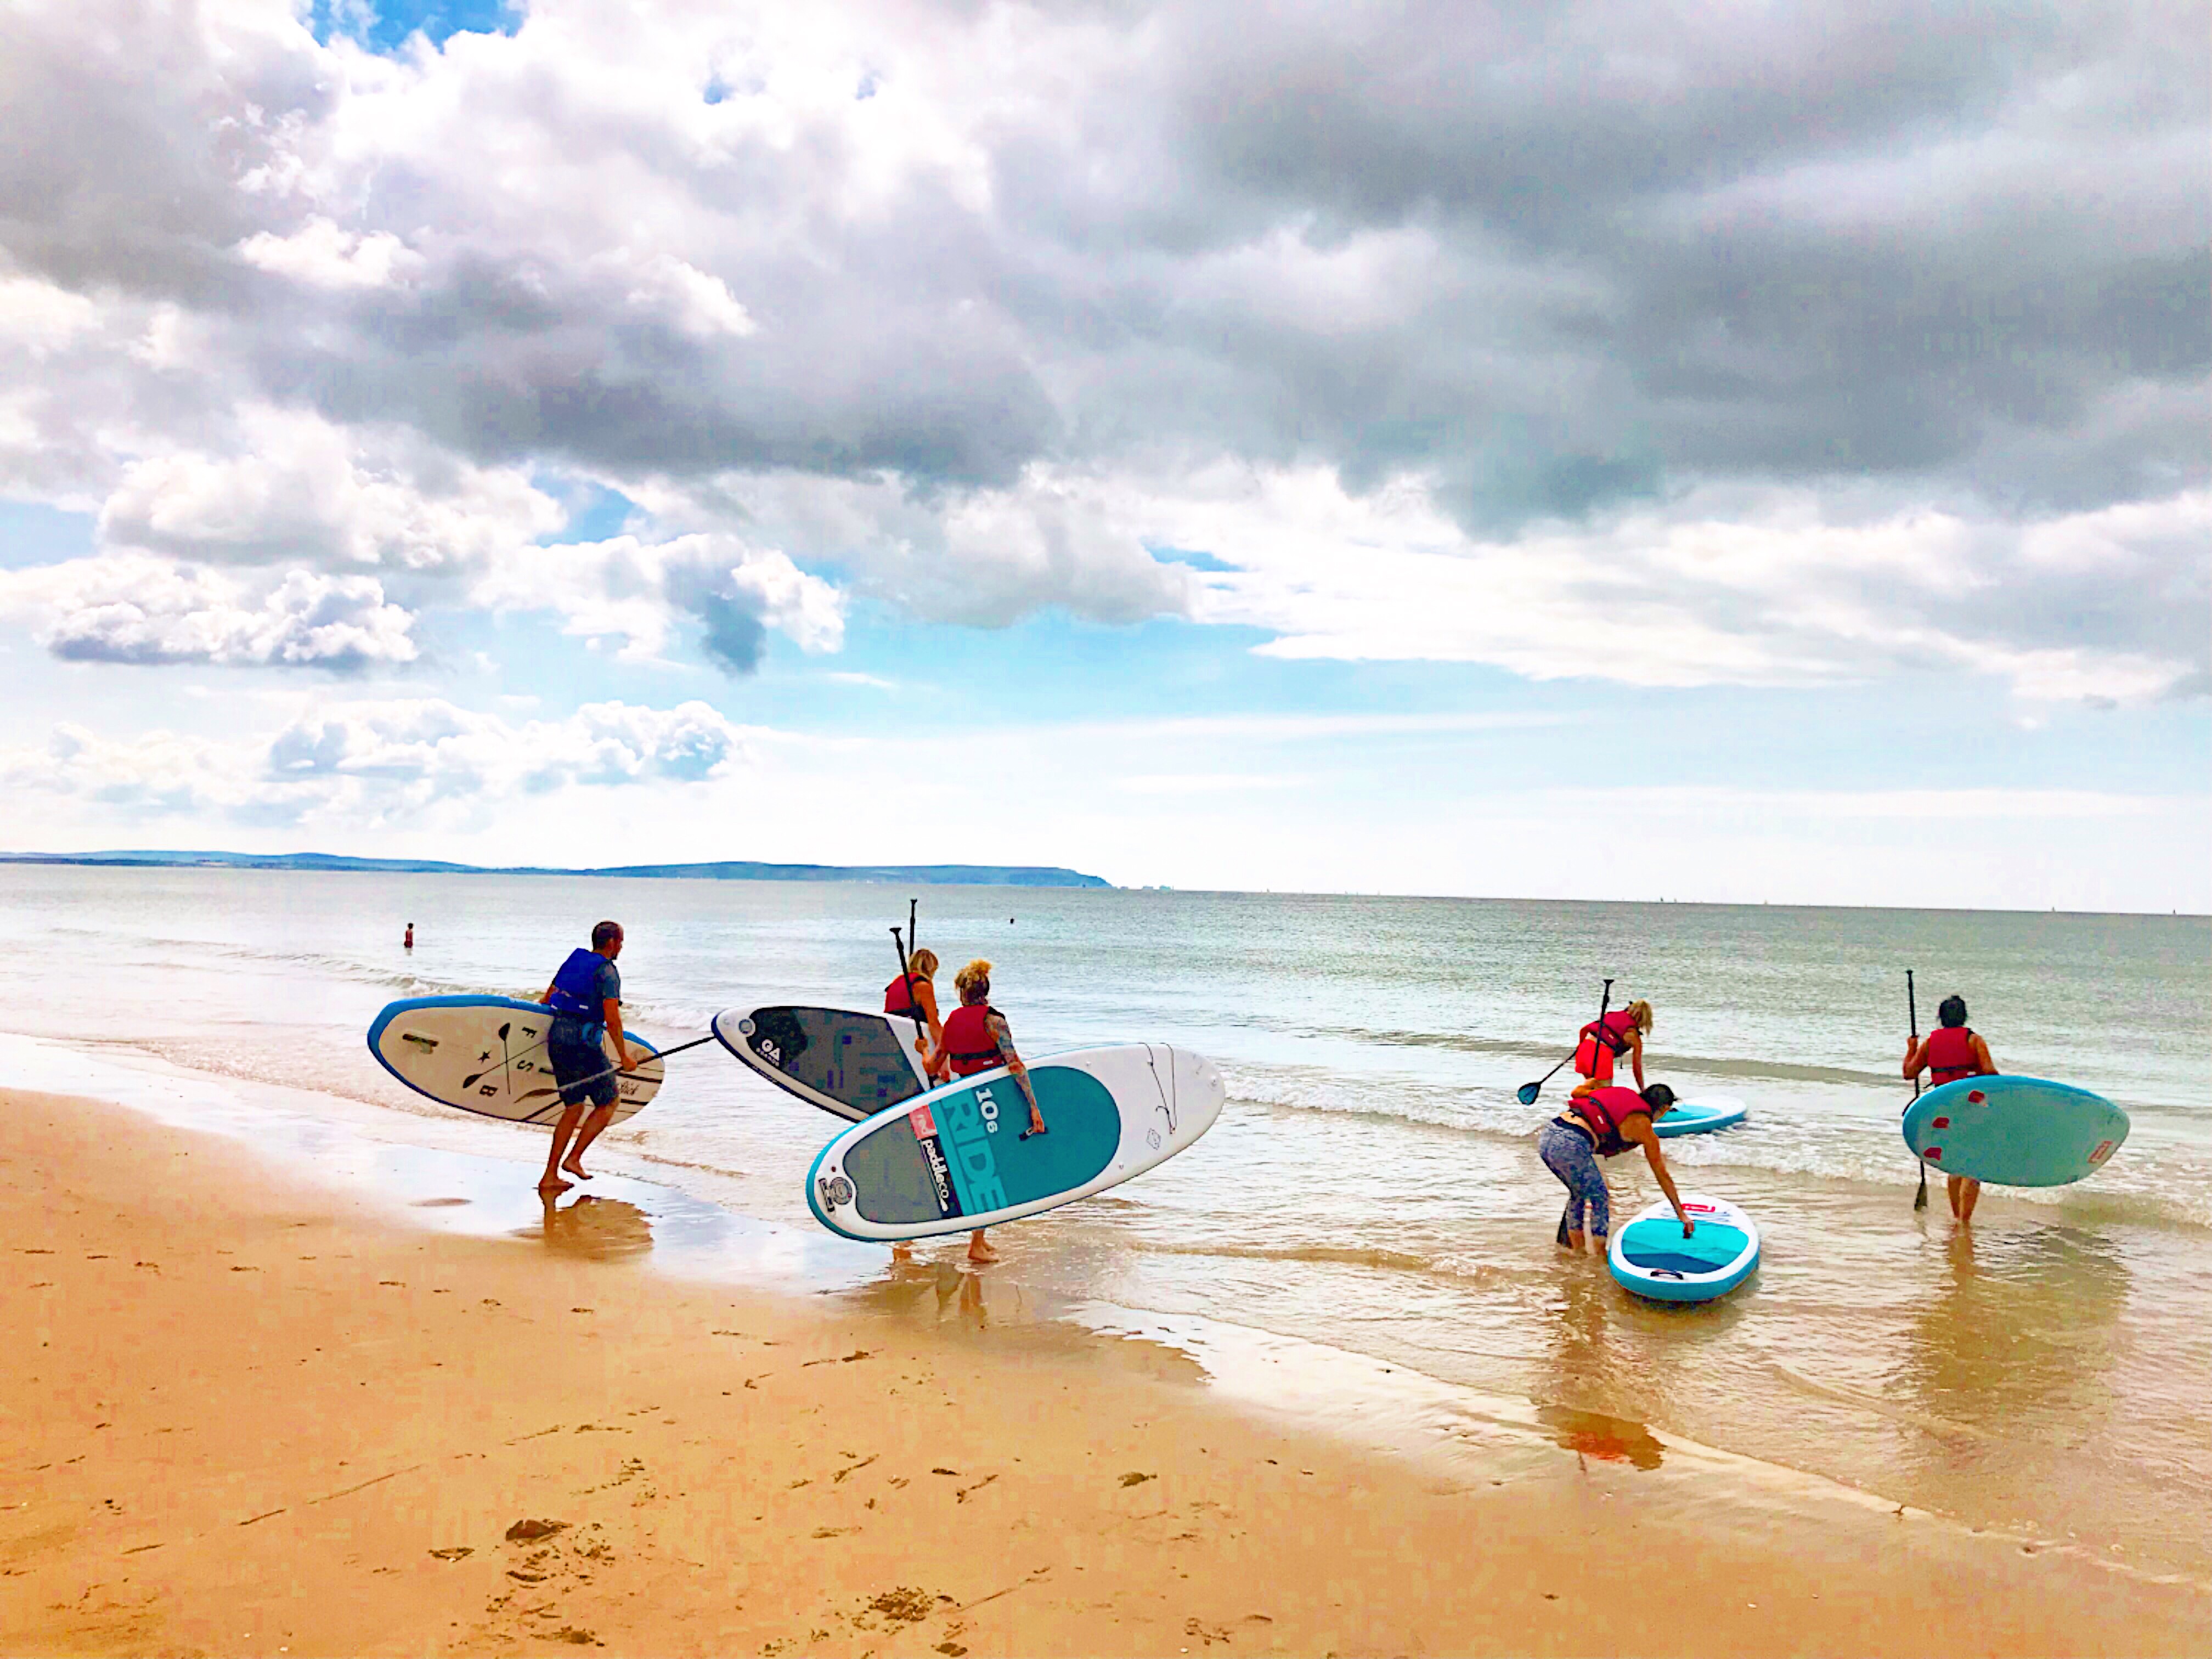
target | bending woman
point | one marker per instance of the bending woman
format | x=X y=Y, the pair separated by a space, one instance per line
x=1604 y=1122
x=1621 y=1032
x=915 y=990
x=976 y=1039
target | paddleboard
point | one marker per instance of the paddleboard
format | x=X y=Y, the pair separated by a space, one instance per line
x=1650 y=1257
x=2014 y=1131
x=487 y=1055
x=953 y=1159
x=1700 y=1117
x=845 y=1061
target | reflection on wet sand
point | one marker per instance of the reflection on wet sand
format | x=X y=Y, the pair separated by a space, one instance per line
x=1592 y=1434
x=1584 y=1367
x=595 y=1229
x=2011 y=1345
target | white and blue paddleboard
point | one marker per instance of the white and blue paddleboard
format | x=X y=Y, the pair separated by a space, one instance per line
x=845 y=1061
x=1699 y=1117
x=487 y=1055
x=954 y=1158
x=2014 y=1131
x=1650 y=1257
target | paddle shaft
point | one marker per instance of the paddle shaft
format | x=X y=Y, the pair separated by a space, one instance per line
x=1529 y=1091
x=624 y=1070
x=1912 y=1017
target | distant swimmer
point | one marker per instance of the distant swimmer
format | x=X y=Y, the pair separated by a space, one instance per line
x=1951 y=1051
x=1600 y=1121
x=1621 y=1032
x=408 y=944
x=586 y=997
x=916 y=989
x=977 y=1038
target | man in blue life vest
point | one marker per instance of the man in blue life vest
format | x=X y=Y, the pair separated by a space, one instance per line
x=586 y=997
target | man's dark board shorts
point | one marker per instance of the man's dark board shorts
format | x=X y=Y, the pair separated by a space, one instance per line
x=575 y=1059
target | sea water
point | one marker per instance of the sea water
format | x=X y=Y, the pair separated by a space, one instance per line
x=1372 y=1190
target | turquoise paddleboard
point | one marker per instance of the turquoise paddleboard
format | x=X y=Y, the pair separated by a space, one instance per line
x=956 y=1158
x=2014 y=1131
x=1699 y=1117
x=1650 y=1257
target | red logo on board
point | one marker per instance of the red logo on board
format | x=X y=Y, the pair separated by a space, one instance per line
x=923 y=1124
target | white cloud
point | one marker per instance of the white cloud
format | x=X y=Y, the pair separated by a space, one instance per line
x=131 y=608
x=290 y=485
x=637 y=590
x=322 y=255
x=363 y=765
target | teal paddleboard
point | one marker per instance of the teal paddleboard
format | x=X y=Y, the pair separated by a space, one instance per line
x=2014 y=1131
x=956 y=1157
x=1699 y=1117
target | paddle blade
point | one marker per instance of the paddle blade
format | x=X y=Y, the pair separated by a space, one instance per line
x=1920 y=1198
x=1527 y=1093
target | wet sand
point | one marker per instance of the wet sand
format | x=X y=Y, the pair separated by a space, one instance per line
x=248 y=1415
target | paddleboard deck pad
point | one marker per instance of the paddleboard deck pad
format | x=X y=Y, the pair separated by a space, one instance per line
x=850 y=1063
x=2014 y=1131
x=1650 y=1257
x=954 y=1158
x=487 y=1055
x=1700 y=1117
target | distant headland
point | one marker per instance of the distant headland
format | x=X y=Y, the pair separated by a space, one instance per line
x=928 y=875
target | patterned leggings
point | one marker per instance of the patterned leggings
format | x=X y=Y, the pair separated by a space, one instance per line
x=1567 y=1154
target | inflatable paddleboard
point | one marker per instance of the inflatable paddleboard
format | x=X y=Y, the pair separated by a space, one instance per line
x=1700 y=1117
x=2014 y=1131
x=844 y=1062
x=1650 y=1257
x=954 y=1159
x=487 y=1055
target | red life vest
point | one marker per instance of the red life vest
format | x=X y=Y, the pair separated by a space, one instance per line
x=1601 y=1041
x=898 y=996
x=969 y=1044
x=1951 y=1053
x=1605 y=1110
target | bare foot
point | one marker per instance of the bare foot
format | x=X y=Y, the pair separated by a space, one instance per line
x=902 y=1253
x=577 y=1170
x=979 y=1251
x=553 y=1185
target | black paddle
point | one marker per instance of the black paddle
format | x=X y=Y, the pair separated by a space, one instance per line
x=611 y=1071
x=1912 y=1013
x=1527 y=1093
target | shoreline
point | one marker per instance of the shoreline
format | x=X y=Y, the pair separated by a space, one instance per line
x=430 y=1365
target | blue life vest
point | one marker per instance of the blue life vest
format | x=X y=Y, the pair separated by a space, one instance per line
x=577 y=988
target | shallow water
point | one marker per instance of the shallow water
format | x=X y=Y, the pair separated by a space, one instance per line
x=1373 y=1185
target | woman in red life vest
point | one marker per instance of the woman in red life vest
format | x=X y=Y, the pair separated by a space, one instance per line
x=1602 y=1121
x=1621 y=1032
x=915 y=989
x=1951 y=1051
x=977 y=1039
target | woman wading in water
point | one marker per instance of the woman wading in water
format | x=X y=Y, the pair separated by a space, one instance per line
x=978 y=1039
x=1604 y=1122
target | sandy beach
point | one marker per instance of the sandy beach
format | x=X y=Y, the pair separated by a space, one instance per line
x=248 y=1415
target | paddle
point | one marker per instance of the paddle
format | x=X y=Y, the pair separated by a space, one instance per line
x=1527 y=1093
x=612 y=1070
x=913 y=1003
x=1912 y=1014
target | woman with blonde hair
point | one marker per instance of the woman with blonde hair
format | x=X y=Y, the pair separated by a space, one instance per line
x=976 y=1039
x=1621 y=1032
x=914 y=992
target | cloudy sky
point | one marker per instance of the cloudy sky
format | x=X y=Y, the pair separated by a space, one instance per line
x=1717 y=451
